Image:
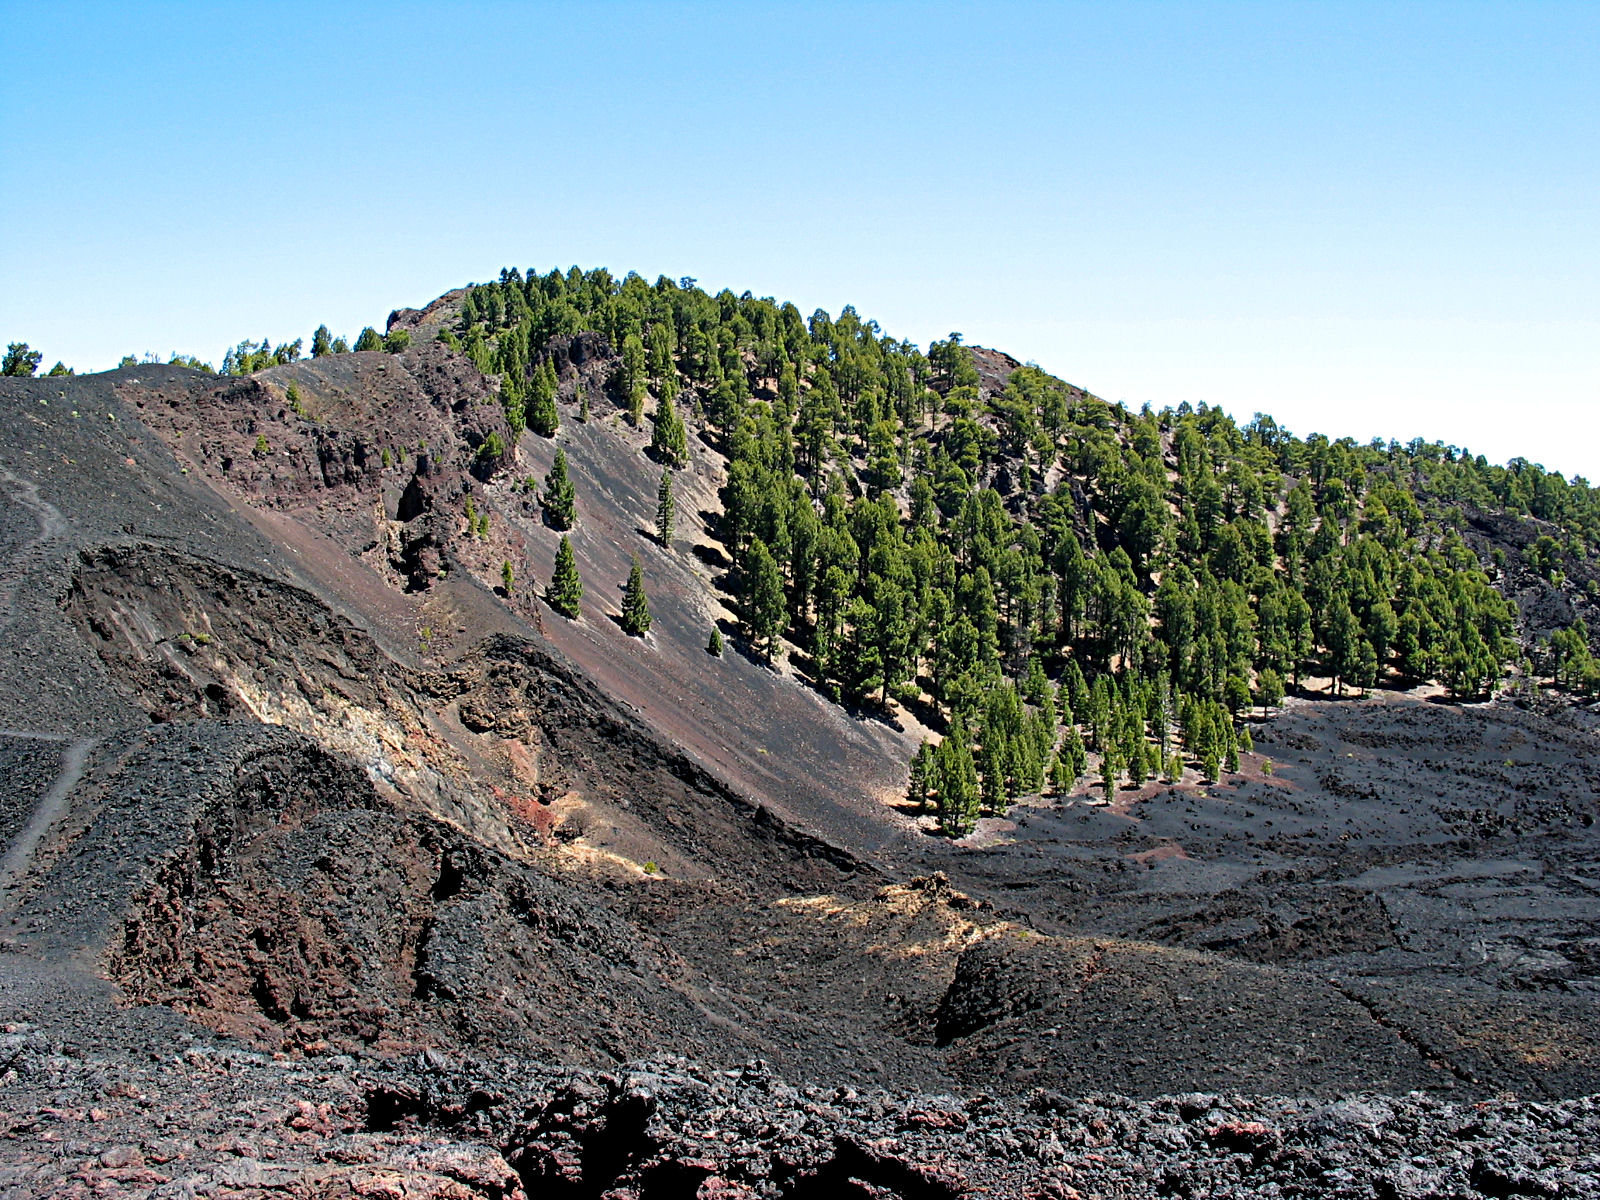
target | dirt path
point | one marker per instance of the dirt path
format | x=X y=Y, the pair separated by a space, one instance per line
x=52 y=524
x=50 y=807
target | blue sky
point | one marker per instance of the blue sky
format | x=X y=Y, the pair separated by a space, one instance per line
x=1367 y=220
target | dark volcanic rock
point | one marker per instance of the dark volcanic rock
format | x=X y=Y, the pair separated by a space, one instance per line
x=210 y=1117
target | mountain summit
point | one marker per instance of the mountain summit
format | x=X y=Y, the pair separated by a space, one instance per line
x=600 y=738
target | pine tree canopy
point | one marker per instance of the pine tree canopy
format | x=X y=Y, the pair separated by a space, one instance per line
x=635 y=608
x=560 y=497
x=1057 y=573
x=566 y=589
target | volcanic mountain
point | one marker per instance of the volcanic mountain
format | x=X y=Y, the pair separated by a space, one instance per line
x=1081 y=802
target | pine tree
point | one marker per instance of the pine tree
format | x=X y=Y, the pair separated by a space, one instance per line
x=369 y=340
x=1136 y=764
x=1108 y=772
x=543 y=418
x=1036 y=688
x=1202 y=740
x=660 y=347
x=21 y=362
x=766 y=606
x=583 y=400
x=1060 y=775
x=714 y=646
x=957 y=781
x=918 y=785
x=664 y=509
x=1073 y=755
x=1366 y=666
x=321 y=342
x=635 y=608
x=507 y=576
x=515 y=405
x=1041 y=730
x=635 y=379
x=669 y=442
x=1270 y=686
x=992 y=755
x=566 y=589
x=1343 y=639
x=1236 y=691
x=560 y=508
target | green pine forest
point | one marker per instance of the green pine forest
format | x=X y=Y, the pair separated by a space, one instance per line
x=1042 y=574
x=1038 y=574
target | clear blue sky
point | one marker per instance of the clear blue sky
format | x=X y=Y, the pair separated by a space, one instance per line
x=1364 y=219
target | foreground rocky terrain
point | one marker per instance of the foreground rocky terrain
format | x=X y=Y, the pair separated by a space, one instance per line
x=329 y=871
x=216 y=1120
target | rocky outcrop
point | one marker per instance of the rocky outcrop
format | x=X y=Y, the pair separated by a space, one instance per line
x=207 y=1118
